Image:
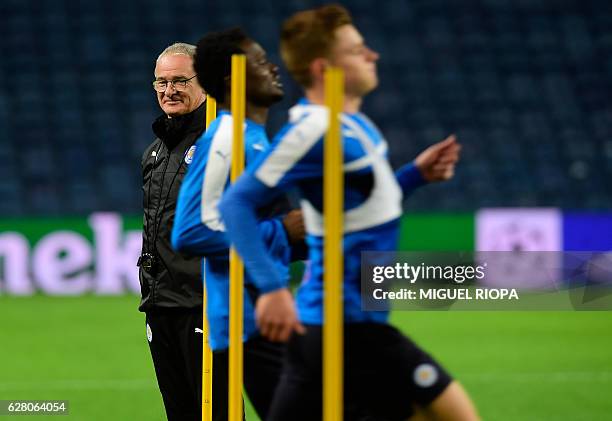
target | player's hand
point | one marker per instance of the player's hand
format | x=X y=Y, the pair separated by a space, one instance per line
x=437 y=163
x=276 y=316
x=294 y=226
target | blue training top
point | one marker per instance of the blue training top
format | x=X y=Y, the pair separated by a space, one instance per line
x=198 y=228
x=372 y=204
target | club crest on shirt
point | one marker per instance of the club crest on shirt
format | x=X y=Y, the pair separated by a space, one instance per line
x=425 y=375
x=189 y=155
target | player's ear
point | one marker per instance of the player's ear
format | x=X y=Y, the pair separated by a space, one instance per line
x=317 y=68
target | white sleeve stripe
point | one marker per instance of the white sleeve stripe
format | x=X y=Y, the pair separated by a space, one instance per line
x=366 y=160
x=216 y=174
x=294 y=145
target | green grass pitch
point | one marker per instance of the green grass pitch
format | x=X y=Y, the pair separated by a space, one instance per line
x=523 y=366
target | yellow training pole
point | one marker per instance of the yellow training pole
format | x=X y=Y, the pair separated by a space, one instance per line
x=211 y=110
x=236 y=266
x=207 y=357
x=333 y=198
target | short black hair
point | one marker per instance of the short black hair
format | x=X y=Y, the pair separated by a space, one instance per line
x=213 y=59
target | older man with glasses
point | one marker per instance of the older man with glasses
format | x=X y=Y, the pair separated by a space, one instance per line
x=171 y=282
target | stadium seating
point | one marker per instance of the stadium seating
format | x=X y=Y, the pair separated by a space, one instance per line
x=526 y=85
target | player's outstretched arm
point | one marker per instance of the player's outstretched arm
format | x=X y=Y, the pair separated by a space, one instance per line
x=409 y=178
x=275 y=311
x=437 y=162
x=238 y=211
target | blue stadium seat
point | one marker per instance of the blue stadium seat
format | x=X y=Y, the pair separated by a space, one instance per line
x=525 y=84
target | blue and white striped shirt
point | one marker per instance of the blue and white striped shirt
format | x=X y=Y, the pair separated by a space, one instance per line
x=198 y=228
x=372 y=204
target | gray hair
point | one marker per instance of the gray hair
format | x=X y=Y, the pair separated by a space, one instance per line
x=179 y=48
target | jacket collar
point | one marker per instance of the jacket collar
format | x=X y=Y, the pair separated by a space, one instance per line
x=173 y=130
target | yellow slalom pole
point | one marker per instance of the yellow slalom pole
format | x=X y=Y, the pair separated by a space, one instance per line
x=333 y=205
x=207 y=357
x=236 y=266
x=211 y=110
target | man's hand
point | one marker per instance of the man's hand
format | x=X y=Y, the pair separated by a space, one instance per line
x=294 y=226
x=437 y=163
x=276 y=316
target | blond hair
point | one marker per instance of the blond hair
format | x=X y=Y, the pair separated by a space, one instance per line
x=308 y=35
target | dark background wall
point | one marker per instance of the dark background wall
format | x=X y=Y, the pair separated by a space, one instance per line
x=526 y=85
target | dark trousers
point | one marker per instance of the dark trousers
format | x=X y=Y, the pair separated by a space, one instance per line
x=385 y=374
x=262 y=369
x=176 y=349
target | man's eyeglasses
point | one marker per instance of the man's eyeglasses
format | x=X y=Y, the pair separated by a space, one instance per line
x=178 y=84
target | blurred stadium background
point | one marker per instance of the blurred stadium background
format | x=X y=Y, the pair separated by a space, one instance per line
x=525 y=84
